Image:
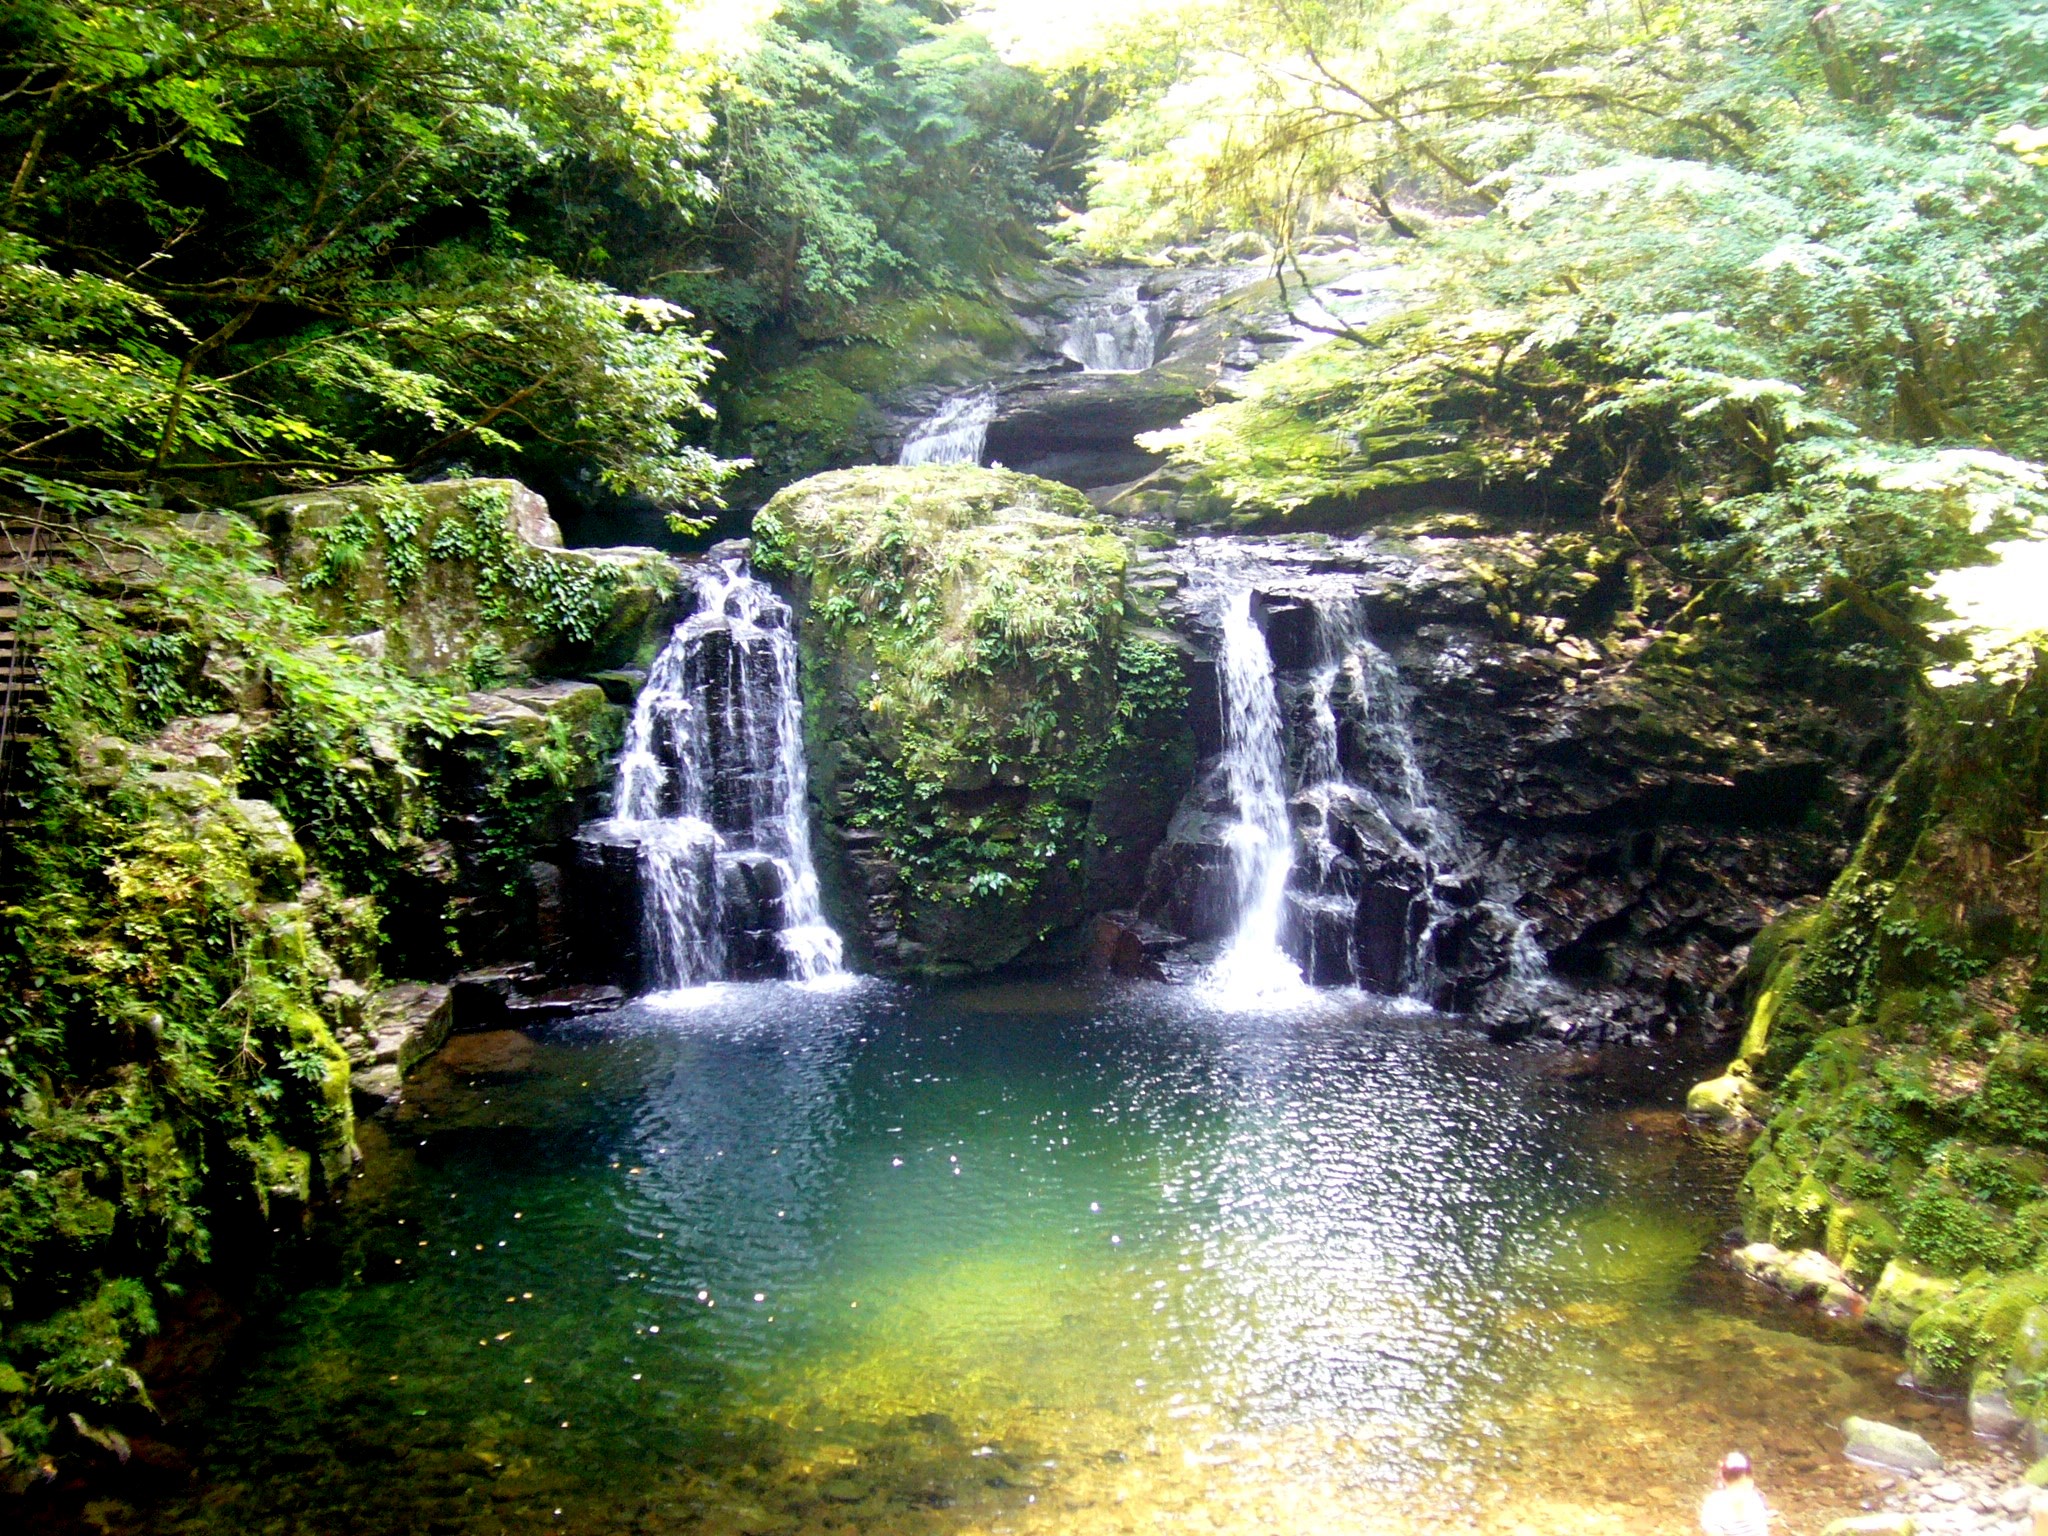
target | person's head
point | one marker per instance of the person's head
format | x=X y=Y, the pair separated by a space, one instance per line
x=1734 y=1467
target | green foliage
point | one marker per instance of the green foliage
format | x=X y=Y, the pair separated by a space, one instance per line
x=226 y=806
x=1761 y=286
x=518 y=582
x=1974 y=1330
x=251 y=241
x=1151 y=682
x=1953 y=1235
x=966 y=631
x=861 y=146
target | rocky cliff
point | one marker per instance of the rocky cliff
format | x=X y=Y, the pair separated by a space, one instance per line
x=1894 y=1053
x=995 y=689
x=241 y=823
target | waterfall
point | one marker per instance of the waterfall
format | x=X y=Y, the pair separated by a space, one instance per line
x=1342 y=866
x=1119 y=334
x=956 y=433
x=712 y=786
x=1368 y=903
x=1260 y=841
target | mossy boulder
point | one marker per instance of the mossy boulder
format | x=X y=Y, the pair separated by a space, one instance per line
x=1862 y=1240
x=980 y=706
x=467 y=578
x=1730 y=1102
x=1973 y=1330
x=1904 y=1292
x=1910 y=1123
x=801 y=419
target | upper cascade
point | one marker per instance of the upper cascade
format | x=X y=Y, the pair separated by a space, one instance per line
x=713 y=788
x=1116 y=334
x=956 y=433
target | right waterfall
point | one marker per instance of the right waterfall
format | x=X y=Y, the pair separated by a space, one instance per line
x=1317 y=851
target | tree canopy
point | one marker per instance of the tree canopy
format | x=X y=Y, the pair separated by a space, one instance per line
x=1699 y=263
x=276 y=237
x=1738 y=273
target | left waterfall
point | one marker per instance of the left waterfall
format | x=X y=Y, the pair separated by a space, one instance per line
x=712 y=788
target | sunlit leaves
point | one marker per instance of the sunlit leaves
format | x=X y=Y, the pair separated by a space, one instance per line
x=265 y=235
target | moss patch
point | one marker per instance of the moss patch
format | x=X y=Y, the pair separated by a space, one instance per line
x=235 y=823
x=467 y=579
x=970 y=671
x=1898 y=1025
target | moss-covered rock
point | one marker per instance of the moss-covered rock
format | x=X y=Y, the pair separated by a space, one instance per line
x=1973 y=1330
x=983 y=716
x=824 y=408
x=468 y=578
x=233 y=825
x=1730 y=1102
x=1903 y=1293
x=1354 y=430
x=1911 y=1086
x=1862 y=1241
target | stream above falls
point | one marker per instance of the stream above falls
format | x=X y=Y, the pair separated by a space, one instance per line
x=1030 y=1257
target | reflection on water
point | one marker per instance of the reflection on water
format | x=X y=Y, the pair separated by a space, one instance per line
x=1020 y=1259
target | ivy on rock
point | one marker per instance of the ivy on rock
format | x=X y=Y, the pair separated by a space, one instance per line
x=971 y=675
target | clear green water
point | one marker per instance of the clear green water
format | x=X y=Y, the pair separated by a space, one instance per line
x=1025 y=1258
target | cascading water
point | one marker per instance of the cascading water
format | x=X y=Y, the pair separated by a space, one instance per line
x=1368 y=902
x=956 y=433
x=1119 y=334
x=1260 y=841
x=712 y=786
x=1343 y=866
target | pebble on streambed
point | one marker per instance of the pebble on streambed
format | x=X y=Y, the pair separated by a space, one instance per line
x=1997 y=1496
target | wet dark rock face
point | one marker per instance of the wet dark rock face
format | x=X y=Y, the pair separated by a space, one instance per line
x=1639 y=806
x=1644 y=811
x=1653 y=836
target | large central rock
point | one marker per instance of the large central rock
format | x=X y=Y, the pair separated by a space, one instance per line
x=996 y=747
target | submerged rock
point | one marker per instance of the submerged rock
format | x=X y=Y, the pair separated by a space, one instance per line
x=1992 y=1414
x=1874 y=1443
x=1804 y=1276
x=1884 y=1523
x=489 y=1053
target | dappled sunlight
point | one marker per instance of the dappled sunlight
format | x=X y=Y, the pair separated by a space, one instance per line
x=890 y=1256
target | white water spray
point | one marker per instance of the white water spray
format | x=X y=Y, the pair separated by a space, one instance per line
x=956 y=433
x=1119 y=334
x=1261 y=842
x=1343 y=864
x=713 y=787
